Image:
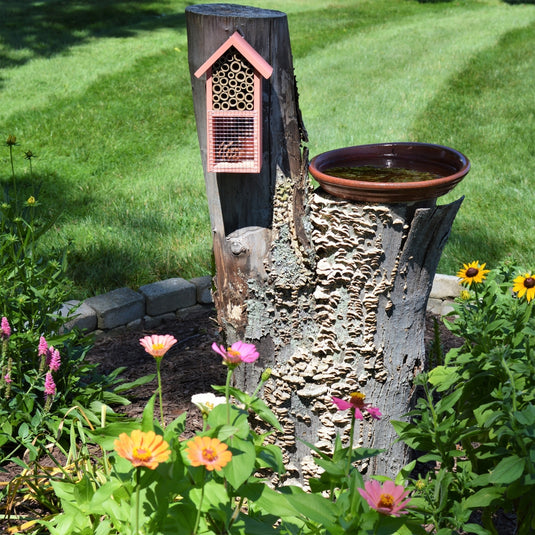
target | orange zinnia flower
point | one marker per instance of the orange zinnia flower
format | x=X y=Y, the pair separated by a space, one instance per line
x=210 y=452
x=158 y=345
x=143 y=449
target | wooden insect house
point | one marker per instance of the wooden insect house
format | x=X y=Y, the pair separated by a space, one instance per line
x=234 y=74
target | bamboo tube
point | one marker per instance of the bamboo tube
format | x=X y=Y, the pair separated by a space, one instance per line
x=236 y=66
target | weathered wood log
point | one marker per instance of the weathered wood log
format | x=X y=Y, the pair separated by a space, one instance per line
x=332 y=292
x=241 y=206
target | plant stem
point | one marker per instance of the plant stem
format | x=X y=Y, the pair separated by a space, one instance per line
x=158 y=362
x=227 y=393
x=136 y=505
x=13 y=173
x=350 y=446
x=198 y=519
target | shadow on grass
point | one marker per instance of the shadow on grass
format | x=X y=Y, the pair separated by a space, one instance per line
x=47 y=28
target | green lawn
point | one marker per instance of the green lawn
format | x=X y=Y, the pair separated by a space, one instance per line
x=100 y=91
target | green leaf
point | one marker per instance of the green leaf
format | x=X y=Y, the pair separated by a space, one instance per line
x=483 y=497
x=443 y=377
x=138 y=382
x=176 y=427
x=312 y=506
x=238 y=426
x=269 y=500
x=358 y=454
x=526 y=417
x=265 y=413
x=147 y=421
x=508 y=470
x=476 y=528
x=270 y=455
x=242 y=464
x=404 y=473
x=83 y=491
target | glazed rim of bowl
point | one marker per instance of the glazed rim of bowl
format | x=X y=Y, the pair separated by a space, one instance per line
x=450 y=164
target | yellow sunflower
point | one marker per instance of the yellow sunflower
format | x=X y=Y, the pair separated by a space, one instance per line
x=525 y=284
x=472 y=272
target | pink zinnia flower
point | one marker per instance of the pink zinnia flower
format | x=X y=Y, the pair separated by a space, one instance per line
x=388 y=499
x=5 y=329
x=237 y=353
x=50 y=386
x=158 y=345
x=43 y=347
x=55 y=360
x=356 y=402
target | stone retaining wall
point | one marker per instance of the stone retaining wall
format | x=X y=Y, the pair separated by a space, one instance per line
x=164 y=300
x=148 y=307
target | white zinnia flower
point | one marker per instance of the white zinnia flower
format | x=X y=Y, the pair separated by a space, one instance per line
x=206 y=402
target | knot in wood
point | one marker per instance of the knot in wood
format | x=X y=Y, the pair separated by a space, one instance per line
x=238 y=247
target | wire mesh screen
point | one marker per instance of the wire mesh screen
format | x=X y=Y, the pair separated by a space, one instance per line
x=233 y=142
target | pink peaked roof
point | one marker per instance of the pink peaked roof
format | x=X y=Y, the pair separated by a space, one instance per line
x=245 y=49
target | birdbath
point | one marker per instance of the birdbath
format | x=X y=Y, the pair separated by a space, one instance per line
x=390 y=172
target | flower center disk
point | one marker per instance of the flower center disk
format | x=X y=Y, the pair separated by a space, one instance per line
x=386 y=500
x=209 y=455
x=141 y=454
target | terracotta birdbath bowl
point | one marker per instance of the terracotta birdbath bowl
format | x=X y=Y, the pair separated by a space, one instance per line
x=390 y=172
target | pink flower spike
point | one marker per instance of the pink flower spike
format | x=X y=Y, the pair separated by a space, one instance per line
x=388 y=499
x=43 y=346
x=55 y=360
x=50 y=386
x=157 y=345
x=5 y=329
x=7 y=378
x=237 y=353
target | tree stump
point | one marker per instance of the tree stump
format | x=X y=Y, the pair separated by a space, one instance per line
x=332 y=292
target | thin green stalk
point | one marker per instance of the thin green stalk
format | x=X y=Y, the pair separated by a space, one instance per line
x=158 y=362
x=137 y=499
x=350 y=446
x=227 y=392
x=198 y=518
x=236 y=512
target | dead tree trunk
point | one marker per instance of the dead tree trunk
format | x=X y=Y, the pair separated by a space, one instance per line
x=332 y=292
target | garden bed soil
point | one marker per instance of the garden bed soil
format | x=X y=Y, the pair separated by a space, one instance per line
x=191 y=366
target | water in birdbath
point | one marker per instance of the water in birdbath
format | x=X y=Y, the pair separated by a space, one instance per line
x=370 y=173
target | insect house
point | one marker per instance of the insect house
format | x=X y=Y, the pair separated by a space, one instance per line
x=234 y=75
